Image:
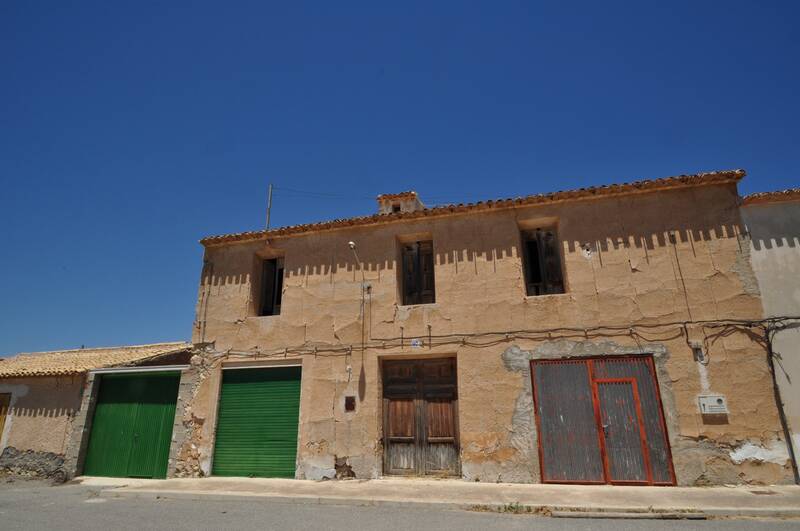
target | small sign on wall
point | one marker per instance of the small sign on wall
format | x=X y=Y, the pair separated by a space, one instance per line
x=712 y=404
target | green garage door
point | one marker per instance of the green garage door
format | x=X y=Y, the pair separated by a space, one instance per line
x=257 y=424
x=132 y=425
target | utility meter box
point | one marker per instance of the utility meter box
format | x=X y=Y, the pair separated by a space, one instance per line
x=712 y=404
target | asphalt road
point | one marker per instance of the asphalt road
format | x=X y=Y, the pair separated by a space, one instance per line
x=35 y=506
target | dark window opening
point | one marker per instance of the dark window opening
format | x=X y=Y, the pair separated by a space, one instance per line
x=542 y=260
x=396 y=207
x=417 y=270
x=271 y=287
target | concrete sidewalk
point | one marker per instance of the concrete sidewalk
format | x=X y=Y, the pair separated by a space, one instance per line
x=557 y=500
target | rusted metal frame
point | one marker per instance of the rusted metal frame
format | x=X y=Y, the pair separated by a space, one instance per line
x=589 y=361
x=648 y=358
x=639 y=421
x=657 y=390
x=598 y=421
x=642 y=433
x=535 y=363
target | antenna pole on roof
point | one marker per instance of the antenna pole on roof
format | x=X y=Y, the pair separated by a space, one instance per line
x=269 y=203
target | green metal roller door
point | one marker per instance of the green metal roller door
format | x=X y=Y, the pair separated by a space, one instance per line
x=257 y=423
x=132 y=426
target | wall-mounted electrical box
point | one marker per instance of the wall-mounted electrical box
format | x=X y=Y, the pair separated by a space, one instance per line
x=712 y=404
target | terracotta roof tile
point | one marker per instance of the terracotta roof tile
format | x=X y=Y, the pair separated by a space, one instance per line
x=410 y=194
x=698 y=179
x=792 y=194
x=65 y=362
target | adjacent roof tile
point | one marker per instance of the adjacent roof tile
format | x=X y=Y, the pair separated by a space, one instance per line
x=65 y=362
x=792 y=194
x=698 y=179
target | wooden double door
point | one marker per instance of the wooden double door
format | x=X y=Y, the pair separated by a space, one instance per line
x=420 y=418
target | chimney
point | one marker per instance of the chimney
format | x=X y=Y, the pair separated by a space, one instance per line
x=396 y=203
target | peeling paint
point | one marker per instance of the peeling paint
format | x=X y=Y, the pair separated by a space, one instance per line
x=772 y=452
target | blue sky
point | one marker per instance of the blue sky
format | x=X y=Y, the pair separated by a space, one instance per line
x=128 y=130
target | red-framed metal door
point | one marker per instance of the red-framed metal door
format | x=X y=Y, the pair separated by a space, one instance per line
x=625 y=455
x=600 y=420
x=569 y=445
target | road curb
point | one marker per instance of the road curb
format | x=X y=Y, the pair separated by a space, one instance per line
x=560 y=511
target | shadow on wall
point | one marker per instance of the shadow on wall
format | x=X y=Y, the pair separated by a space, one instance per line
x=773 y=225
x=765 y=239
x=655 y=232
x=48 y=411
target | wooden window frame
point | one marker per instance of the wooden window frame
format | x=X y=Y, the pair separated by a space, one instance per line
x=417 y=284
x=549 y=282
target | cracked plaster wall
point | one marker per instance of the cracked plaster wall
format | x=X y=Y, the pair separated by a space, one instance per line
x=640 y=259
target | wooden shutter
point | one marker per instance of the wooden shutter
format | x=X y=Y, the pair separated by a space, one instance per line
x=418 y=273
x=427 y=291
x=268 y=288
x=551 y=259
x=543 y=274
x=409 y=274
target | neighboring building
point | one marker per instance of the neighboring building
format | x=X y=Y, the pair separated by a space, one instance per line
x=602 y=335
x=47 y=397
x=773 y=223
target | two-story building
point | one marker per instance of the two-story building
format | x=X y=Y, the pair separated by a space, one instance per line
x=602 y=335
x=613 y=334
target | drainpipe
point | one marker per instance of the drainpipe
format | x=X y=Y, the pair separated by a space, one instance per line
x=768 y=329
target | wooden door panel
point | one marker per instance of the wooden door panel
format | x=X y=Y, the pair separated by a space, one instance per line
x=401 y=437
x=440 y=434
x=420 y=417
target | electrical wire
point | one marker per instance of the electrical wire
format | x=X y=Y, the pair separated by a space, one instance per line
x=722 y=327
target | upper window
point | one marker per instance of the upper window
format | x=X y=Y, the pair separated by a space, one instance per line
x=417 y=267
x=271 y=287
x=542 y=260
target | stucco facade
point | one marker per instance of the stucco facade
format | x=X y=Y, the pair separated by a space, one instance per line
x=637 y=266
x=39 y=422
x=41 y=411
x=773 y=221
